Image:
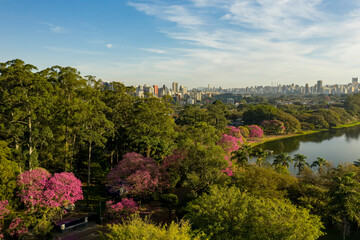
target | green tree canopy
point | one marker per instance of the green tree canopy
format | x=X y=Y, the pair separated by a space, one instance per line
x=228 y=213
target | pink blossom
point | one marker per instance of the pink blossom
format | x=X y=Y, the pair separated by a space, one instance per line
x=228 y=172
x=137 y=175
x=233 y=131
x=4 y=211
x=273 y=127
x=40 y=189
x=229 y=143
x=17 y=228
x=116 y=211
x=255 y=131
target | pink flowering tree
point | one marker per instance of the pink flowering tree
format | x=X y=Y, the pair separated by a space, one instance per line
x=136 y=175
x=117 y=211
x=4 y=209
x=32 y=184
x=63 y=189
x=45 y=196
x=17 y=228
x=38 y=189
x=173 y=164
x=230 y=143
x=233 y=131
x=275 y=127
x=255 y=131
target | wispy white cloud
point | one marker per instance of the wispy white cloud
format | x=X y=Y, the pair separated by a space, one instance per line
x=55 y=28
x=239 y=41
x=154 y=50
x=109 y=45
x=173 y=13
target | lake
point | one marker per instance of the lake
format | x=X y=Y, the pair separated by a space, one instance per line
x=336 y=145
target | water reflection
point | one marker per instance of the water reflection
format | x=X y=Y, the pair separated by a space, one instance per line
x=336 y=145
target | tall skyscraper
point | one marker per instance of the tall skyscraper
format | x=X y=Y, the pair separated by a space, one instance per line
x=307 y=89
x=355 y=81
x=175 y=87
x=156 y=90
x=319 y=86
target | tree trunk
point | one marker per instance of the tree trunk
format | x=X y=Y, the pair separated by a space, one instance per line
x=89 y=163
x=73 y=153
x=112 y=158
x=30 y=143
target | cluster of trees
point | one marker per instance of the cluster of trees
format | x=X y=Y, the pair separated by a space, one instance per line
x=297 y=117
x=141 y=149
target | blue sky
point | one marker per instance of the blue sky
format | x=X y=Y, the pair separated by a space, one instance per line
x=232 y=43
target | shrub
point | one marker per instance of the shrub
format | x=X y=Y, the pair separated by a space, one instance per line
x=123 y=209
x=273 y=127
x=244 y=131
x=138 y=229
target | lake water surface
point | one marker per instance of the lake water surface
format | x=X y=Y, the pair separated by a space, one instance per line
x=336 y=145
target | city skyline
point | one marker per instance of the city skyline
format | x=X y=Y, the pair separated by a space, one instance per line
x=194 y=42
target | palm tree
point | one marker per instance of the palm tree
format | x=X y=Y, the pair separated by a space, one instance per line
x=261 y=155
x=282 y=160
x=242 y=155
x=300 y=162
x=319 y=163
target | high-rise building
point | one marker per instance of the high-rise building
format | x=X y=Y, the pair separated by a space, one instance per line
x=319 y=86
x=355 y=80
x=355 y=83
x=307 y=89
x=156 y=90
x=175 y=87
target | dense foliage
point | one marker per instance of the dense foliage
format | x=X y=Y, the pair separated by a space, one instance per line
x=138 y=229
x=228 y=213
x=60 y=131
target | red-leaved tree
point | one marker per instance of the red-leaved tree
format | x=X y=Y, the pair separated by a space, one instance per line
x=136 y=175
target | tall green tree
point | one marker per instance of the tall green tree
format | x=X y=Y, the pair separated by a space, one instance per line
x=96 y=125
x=228 y=213
x=216 y=115
x=120 y=106
x=150 y=130
x=25 y=109
x=69 y=95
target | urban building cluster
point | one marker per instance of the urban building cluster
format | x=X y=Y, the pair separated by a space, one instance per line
x=182 y=95
x=178 y=93
x=318 y=88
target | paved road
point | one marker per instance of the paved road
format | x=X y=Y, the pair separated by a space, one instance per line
x=87 y=232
